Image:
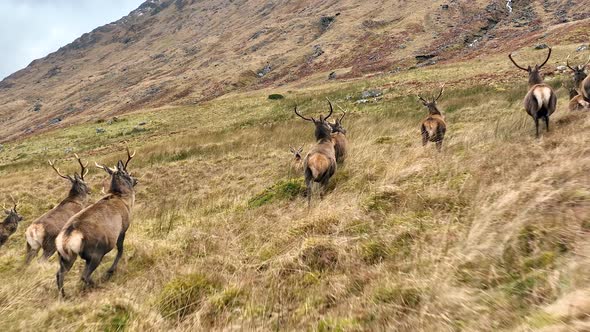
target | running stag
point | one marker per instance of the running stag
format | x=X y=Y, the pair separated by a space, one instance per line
x=320 y=163
x=43 y=231
x=434 y=127
x=97 y=229
x=541 y=101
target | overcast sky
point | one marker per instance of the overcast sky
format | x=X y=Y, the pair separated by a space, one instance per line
x=31 y=29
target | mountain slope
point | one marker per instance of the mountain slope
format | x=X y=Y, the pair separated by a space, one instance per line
x=182 y=52
x=491 y=234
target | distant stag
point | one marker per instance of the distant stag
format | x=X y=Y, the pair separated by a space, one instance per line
x=579 y=95
x=296 y=165
x=320 y=162
x=434 y=127
x=97 y=229
x=541 y=101
x=339 y=139
x=43 y=231
x=10 y=224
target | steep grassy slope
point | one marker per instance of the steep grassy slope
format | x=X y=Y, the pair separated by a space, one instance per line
x=184 y=51
x=491 y=234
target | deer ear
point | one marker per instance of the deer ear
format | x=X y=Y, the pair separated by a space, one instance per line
x=120 y=166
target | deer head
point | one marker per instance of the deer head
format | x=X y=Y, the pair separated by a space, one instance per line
x=79 y=187
x=534 y=72
x=431 y=104
x=322 y=126
x=12 y=215
x=296 y=153
x=121 y=181
x=579 y=71
x=337 y=125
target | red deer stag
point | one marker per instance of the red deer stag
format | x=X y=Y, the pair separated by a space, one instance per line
x=9 y=225
x=579 y=95
x=97 y=229
x=541 y=100
x=43 y=231
x=434 y=127
x=320 y=162
x=296 y=165
x=339 y=139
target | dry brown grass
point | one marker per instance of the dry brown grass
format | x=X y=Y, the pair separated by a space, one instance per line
x=491 y=234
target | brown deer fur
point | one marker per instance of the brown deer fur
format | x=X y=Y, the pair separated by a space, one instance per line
x=579 y=99
x=9 y=225
x=339 y=139
x=43 y=231
x=540 y=101
x=434 y=127
x=97 y=229
x=320 y=162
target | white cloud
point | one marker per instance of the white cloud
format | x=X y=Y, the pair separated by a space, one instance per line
x=31 y=29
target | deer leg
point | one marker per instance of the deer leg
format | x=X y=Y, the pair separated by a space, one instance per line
x=324 y=186
x=308 y=184
x=64 y=266
x=48 y=250
x=547 y=123
x=91 y=265
x=113 y=267
x=536 y=126
x=424 y=136
x=439 y=145
x=31 y=253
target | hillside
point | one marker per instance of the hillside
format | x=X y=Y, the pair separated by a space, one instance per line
x=491 y=234
x=182 y=52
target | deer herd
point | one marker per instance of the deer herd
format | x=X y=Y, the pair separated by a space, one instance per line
x=77 y=227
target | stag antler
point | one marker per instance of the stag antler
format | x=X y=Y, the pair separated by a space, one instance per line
x=422 y=99
x=129 y=157
x=442 y=88
x=15 y=203
x=548 y=56
x=300 y=148
x=58 y=172
x=567 y=62
x=83 y=168
x=105 y=168
x=301 y=116
x=331 y=109
x=581 y=67
x=514 y=62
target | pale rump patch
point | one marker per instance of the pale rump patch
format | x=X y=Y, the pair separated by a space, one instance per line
x=317 y=164
x=430 y=127
x=542 y=95
x=69 y=246
x=35 y=235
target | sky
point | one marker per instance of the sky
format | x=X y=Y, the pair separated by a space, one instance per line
x=31 y=29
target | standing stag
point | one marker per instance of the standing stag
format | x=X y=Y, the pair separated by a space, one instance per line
x=320 y=162
x=43 y=231
x=580 y=94
x=434 y=127
x=97 y=229
x=296 y=165
x=339 y=139
x=10 y=224
x=541 y=100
